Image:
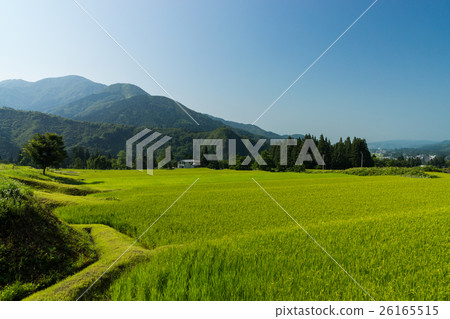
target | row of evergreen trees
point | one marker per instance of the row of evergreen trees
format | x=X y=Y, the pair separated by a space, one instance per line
x=341 y=155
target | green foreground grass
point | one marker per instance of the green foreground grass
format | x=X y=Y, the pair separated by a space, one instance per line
x=225 y=239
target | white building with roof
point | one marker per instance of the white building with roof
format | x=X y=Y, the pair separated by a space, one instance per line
x=188 y=163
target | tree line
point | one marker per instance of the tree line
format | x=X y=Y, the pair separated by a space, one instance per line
x=48 y=150
x=341 y=155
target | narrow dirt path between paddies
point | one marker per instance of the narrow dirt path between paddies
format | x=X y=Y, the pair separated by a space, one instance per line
x=109 y=245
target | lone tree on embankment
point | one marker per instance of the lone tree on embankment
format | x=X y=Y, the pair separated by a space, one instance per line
x=46 y=150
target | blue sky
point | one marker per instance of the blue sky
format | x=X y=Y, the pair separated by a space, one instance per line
x=387 y=78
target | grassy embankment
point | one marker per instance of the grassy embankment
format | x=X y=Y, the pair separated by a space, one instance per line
x=38 y=249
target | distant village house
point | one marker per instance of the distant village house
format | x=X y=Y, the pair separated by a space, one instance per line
x=188 y=163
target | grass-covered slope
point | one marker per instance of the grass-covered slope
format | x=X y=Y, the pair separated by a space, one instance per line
x=36 y=248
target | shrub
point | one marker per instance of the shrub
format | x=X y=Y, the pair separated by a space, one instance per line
x=17 y=291
x=14 y=198
x=401 y=171
x=434 y=169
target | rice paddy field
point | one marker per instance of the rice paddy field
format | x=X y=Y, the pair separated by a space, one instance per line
x=227 y=239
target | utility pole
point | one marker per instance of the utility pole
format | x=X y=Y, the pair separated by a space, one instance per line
x=362 y=159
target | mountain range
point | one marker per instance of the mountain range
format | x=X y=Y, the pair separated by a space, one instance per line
x=102 y=117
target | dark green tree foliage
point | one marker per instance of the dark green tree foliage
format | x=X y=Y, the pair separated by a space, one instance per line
x=78 y=157
x=120 y=162
x=203 y=161
x=338 y=156
x=325 y=149
x=399 y=162
x=348 y=150
x=342 y=155
x=46 y=150
x=98 y=161
x=359 y=154
x=438 y=161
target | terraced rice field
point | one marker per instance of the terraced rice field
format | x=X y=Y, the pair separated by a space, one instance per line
x=226 y=238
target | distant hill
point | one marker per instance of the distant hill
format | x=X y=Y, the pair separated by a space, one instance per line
x=441 y=148
x=254 y=129
x=397 y=144
x=98 y=101
x=247 y=127
x=293 y=136
x=147 y=110
x=46 y=94
x=77 y=98
x=18 y=127
x=80 y=106
x=435 y=148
